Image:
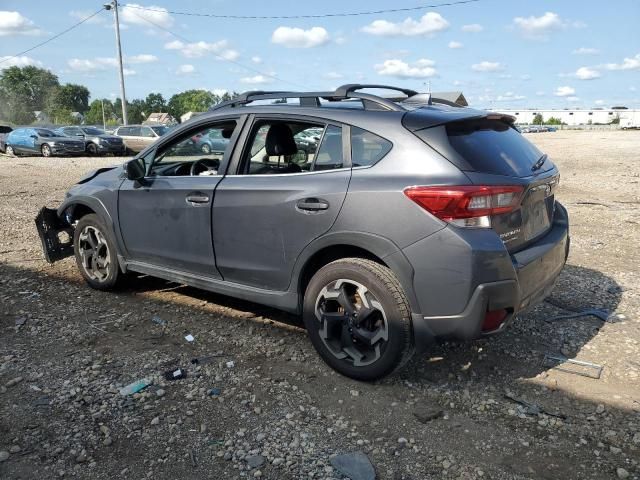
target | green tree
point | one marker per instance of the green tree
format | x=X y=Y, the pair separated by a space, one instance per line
x=554 y=121
x=155 y=102
x=24 y=90
x=538 y=120
x=136 y=111
x=94 y=115
x=71 y=97
x=191 y=101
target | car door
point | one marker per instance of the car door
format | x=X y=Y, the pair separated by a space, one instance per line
x=31 y=141
x=279 y=200
x=166 y=220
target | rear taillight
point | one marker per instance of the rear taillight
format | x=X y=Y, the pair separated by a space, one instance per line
x=467 y=205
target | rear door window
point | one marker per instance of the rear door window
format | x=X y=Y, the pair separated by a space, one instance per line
x=367 y=148
x=493 y=146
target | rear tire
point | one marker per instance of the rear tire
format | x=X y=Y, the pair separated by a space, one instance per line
x=206 y=148
x=45 y=150
x=358 y=318
x=9 y=151
x=95 y=252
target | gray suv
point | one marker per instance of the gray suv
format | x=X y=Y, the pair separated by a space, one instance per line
x=414 y=219
x=97 y=142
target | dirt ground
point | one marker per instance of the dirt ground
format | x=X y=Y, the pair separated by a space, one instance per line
x=278 y=412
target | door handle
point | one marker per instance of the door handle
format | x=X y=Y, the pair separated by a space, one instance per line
x=197 y=198
x=312 y=204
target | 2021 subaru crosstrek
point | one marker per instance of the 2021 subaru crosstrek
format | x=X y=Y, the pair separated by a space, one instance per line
x=413 y=219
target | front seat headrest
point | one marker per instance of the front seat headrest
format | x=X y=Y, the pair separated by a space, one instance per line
x=280 y=141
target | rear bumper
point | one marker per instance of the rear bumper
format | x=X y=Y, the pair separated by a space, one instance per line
x=526 y=281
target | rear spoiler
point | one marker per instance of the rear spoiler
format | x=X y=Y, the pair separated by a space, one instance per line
x=432 y=117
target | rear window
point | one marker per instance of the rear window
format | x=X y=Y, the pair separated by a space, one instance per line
x=492 y=146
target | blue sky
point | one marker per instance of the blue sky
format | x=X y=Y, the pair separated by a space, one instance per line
x=500 y=53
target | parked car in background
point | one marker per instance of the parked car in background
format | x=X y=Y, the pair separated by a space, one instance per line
x=97 y=142
x=212 y=141
x=4 y=131
x=414 y=221
x=42 y=141
x=138 y=137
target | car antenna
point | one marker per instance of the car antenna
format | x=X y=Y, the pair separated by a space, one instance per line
x=429 y=102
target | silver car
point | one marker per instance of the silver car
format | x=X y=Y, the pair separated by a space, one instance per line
x=138 y=137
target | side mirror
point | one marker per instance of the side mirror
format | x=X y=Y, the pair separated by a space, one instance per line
x=136 y=170
x=35 y=137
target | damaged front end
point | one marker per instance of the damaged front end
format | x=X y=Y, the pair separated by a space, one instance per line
x=56 y=235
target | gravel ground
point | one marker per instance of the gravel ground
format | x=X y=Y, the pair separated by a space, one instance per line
x=277 y=411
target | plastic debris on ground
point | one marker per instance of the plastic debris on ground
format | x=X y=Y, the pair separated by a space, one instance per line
x=215 y=391
x=136 y=386
x=158 y=321
x=356 y=466
x=576 y=367
x=176 y=374
x=189 y=338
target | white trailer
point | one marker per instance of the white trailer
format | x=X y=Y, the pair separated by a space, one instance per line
x=629 y=119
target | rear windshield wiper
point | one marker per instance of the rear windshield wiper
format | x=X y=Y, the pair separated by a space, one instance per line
x=538 y=165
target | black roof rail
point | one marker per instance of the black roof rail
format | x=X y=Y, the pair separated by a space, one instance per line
x=312 y=99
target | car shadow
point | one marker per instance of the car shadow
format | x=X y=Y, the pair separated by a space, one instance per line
x=528 y=346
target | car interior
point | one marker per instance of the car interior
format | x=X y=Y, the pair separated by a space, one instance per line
x=283 y=147
x=185 y=157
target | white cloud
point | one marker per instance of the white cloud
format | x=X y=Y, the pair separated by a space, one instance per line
x=142 y=58
x=6 y=62
x=256 y=59
x=98 y=64
x=472 y=28
x=186 y=69
x=455 y=45
x=632 y=63
x=132 y=13
x=540 y=93
x=255 y=80
x=200 y=49
x=430 y=24
x=586 y=73
x=219 y=91
x=487 y=66
x=87 y=66
x=333 y=75
x=538 y=27
x=14 y=23
x=599 y=102
x=564 y=91
x=509 y=97
x=573 y=99
x=586 y=51
x=422 y=68
x=298 y=38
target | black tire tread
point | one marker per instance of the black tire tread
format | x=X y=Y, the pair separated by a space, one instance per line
x=391 y=283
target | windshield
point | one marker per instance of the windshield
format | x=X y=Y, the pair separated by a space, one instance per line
x=160 y=129
x=92 y=131
x=43 y=132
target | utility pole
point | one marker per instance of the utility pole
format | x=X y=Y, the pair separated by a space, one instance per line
x=108 y=6
x=104 y=123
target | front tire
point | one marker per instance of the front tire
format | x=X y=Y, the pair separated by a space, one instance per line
x=9 y=151
x=206 y=148
x=92 y=149
x=45 y=150
x=358 y=318
x=95 y=253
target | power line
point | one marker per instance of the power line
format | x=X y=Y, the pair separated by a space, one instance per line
x=319 y=15
x=54 y=37
x=220 y=57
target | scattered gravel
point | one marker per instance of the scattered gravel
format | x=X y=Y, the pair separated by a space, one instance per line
x=278 y=412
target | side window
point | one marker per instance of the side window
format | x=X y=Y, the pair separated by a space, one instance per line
x=124 y=131
x=146 y=132
x=367 y=148
x=277 y=147
x=197 y=152
x=329 y=155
